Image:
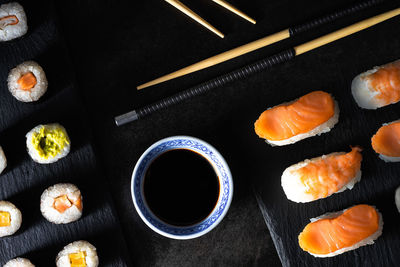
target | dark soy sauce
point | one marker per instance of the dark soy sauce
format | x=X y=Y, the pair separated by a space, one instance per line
x=181 y=187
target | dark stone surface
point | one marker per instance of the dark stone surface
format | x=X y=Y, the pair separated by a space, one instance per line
x=23 y=181
x=117 y=45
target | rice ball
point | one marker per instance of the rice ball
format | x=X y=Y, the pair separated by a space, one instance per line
x=78 y=253
x=61 y=203
x=48 y=143
x=10 y=218
x=3 y=160
x=19 y=262
x=27 y=82
x=12 y=21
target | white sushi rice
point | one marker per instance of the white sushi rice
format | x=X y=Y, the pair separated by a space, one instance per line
x=35 y=155
x=19 y=262
x=363 y=92
x=295 y=190
x=47 y=203
x=3 y=160
x=320 y=129
x=92 y=259
x=16 y=218
x=367 y=241
x=34 y=93
x=10 y=32
x=397 y=198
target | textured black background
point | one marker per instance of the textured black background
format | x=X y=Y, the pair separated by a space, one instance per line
x=116 y=45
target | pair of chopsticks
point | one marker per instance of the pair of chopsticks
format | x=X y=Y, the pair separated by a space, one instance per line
x=267 y=62
x=202 y=21
x=255 y=45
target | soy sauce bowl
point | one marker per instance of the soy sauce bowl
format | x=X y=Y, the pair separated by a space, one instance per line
x=224 y=178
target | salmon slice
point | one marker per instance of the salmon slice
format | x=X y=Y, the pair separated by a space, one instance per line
x=5 y=219
x=298 y=117
x=8 y=20
x=62 y=203
x=339 y=232
x=323 y=176
x=386 y=141
x=27 y=81
x=386 y=83
x=78 y=259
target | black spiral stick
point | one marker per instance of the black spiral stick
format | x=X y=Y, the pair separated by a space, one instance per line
x=252 y=68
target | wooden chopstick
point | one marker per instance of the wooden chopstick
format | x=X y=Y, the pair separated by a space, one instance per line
x=194 y=16
x=253 y=68
x=263 y=42
x=234 y=10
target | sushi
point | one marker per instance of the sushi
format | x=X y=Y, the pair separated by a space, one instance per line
x=323 y=176
x=61 y=203
x=48 y=143
x=19 y=262
x=386 y=142
x=78 y=253
x=3 y=160
x=27 y=82
x=397 y=198
x=378 y=87
x=10 y=218
x=312 y=114
x=12 y=21
x=335 y=233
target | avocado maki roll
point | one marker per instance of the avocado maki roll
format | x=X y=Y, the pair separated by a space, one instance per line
x=48 y=143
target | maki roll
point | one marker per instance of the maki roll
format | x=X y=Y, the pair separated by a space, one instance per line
x=27 y=82
x=3 y=160
x=10 y=218
x=312 y=114
x=19 y=262
x=12 y=21
x=61 y=203
x=78 y=253
x=48 y=143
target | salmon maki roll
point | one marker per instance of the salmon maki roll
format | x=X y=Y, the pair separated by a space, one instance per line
x=310 y=115
x=323 y=176
x=61 y=203
x=378 y=87
x=19 y=262
x=335 y=233
x=12 y=21
x=386 y=142
x=77 y=254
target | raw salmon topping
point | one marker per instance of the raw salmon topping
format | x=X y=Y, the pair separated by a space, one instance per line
x=329 y=235
x=386 y=82
x=8 y=20
x=78 y=259
x=387 y=140
x=301 y=116
x=62 y=203
x=5 y=219
x=27 y=81
x=323 y=177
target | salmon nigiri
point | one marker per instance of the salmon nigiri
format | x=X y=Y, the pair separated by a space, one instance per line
x=378 y=87
x=311 y=114
x=397 y=198
x=335 y=233
x=386 y=142
x=321 y=177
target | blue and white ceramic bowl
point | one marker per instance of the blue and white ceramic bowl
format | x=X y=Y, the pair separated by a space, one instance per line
x=221 y=168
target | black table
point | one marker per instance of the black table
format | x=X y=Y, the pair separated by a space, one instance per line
x=117 y=45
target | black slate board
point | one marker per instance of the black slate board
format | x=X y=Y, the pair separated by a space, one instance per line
x=332 y=69
x=23 y=181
